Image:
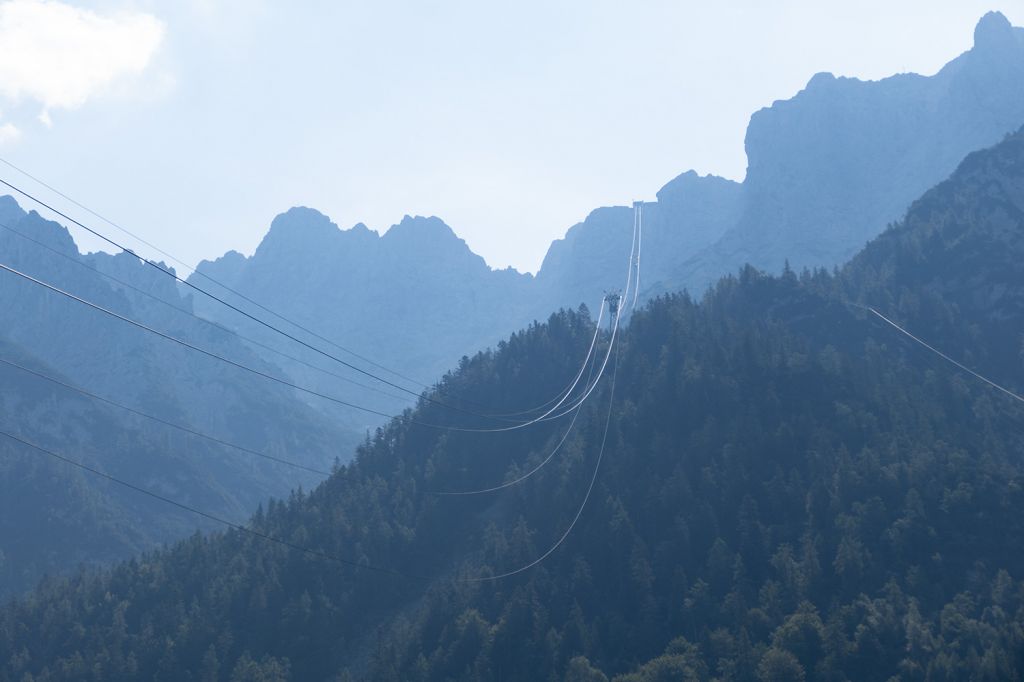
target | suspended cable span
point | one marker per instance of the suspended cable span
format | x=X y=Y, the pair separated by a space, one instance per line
x=281 y=353
x=207 y=515
x=531 y=472
x=629 y=278
x=193 y=269
x=414 y=394
x=215 y=356
x=618 y=314
x=586 y=498
x=574 y=409
x=591 y=385
x=188 y=345
x=264 y=323
x=191 y=314
x=942 y=355
x=548 y=416
x=568 y=388
x=316 y=553
x=525 y=476
x=639 y=245
x=629 y=268
x=179 y=427
x=590 y=389
x=262 y=307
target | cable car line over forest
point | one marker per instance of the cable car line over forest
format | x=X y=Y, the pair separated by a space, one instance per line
x=607 y=425
x=301 y=548
x=612 y=299
x=938 y=352
x=548 y=416
x=206 y=515
x=173 y=425
x=586 y=497
x=576 y=409
x=293 y=385
x=638 y=217
x=568 y=388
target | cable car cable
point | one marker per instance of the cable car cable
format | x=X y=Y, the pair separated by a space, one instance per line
x=180 y=427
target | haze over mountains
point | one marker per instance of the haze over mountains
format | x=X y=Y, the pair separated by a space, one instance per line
x=829 y=169
x=792 y=490
x=53 y=517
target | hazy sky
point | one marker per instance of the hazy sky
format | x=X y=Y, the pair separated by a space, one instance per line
x=195 y=122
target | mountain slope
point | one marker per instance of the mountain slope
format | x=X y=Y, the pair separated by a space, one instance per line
x=790 y=490
x=48 y=333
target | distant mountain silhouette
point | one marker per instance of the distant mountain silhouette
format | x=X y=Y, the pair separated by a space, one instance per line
x=414 y=299
x=831 y=167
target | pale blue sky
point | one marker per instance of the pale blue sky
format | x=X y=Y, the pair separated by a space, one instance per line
x=195 y=122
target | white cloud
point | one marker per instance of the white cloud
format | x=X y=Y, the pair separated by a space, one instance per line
x=60 y=56
x=8 y=133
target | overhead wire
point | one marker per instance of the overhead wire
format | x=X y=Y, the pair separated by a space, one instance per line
x=296 y=547
x=618 y=314
x=639 y=243
x=583 y=504
x=187 y=344
x=233 y=363
x=938 y=352
x=508 y=484
x=315 y=552
x=179 y=427
x=194 y=269
x=211 y=323
x=278 y=352
x=589 y=389
x=499 y=417
x=636 y=287
x=246 y=530
x=266 y=537
x=207 y=515
x=568 y=388
x=244 y=313
x=600 y=456
x=520 y=479
x=271 y=349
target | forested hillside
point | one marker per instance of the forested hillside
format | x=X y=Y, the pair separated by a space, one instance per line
x=791 y=489
x=71 y=374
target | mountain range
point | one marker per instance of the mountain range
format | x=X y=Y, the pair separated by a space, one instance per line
x=828 y=170
x=772 y=483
